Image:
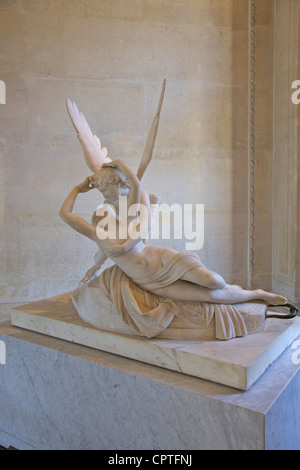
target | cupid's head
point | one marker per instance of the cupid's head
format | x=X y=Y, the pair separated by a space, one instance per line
x=111 y=182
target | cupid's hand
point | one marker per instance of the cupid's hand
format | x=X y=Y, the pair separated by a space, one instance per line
x=89 y=275
x=114 y=164
x=85 y=186
x=115 y=251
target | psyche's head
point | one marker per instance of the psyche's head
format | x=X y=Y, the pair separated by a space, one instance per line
x=111 y=183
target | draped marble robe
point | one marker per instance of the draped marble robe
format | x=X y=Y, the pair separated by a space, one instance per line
x=114 y=302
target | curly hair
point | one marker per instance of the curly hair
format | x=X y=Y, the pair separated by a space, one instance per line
x=108 y=176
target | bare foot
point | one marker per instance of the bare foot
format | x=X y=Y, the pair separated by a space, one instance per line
x=271 y=299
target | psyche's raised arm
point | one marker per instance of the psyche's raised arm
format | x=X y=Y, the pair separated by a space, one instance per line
x=77 y=223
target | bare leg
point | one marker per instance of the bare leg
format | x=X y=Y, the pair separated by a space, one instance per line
x=187 y=291
x=205 y=278
x=199 y=275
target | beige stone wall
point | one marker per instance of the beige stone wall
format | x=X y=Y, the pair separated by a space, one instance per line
x=110 y=57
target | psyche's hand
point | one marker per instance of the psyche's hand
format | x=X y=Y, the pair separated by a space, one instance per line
x=85 y=186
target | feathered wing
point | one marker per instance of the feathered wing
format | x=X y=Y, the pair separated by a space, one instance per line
x=95 y=156
x=149 y=147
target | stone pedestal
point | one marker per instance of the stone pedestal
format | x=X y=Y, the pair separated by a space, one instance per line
x=58 y=395
x=238 y=362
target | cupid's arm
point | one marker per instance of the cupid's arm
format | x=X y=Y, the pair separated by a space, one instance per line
x=94 y=271
x=118 y=250
x=77 y=223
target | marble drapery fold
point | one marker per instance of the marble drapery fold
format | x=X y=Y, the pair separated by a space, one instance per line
x=173 y=270
x=114 y=302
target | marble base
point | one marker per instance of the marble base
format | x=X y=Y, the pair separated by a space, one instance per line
x=237 y=363
x=55 y=394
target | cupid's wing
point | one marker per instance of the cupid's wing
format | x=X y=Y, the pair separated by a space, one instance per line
x=149 y=147
x=94 y=155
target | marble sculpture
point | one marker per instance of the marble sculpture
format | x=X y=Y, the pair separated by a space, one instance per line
x=149 y=290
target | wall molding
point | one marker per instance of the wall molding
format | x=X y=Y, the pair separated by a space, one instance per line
x=251 y=133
